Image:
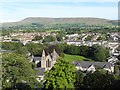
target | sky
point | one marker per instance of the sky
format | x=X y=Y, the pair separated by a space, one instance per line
x=16 y=10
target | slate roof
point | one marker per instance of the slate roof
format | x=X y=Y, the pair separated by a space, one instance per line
x=36 y=58
x=40 y=71
x=56 y=54
x=87 y=64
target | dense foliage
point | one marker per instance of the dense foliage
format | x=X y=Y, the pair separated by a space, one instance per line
x=97 y=53
x=100 y=53
x=23 y=50
x=59 y=37
x=62 y=75
x=35 y=48
x=70 y=28
x=79 y=79
x=11 y=45
x=37 y=38
x=49 y=39
x=17 y=73
x=100 y=79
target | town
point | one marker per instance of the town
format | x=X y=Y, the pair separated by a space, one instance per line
x=88 y=39
x=44 y=63
x=59 y=44
x=66 y=56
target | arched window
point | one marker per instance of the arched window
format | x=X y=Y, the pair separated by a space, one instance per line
x=49 y=63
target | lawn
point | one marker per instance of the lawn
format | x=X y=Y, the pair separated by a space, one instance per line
x=71 y=58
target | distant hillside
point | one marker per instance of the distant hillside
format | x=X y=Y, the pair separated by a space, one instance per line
x=43 y=20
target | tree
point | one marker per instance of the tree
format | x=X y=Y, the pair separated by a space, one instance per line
x=35 y=48
x=98 y=79
x=49 y=39
x=59 y=37
x=116 y=83
x=50 y=49
x=84 y=51
x=96 y=52
x=36 y=38
x=61 y=46
x=79 y=79
x=71 y=49
x=11 y=45
x=17 y=72
x=62 y=75
x=22 y=50
x=100 y=53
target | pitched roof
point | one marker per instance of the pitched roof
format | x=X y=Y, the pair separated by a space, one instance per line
x=55 y=53
x=40 y=71
x=36 y=58
x=87 y=64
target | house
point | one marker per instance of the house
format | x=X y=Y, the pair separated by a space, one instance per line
x=45 y=62
x=73 y=42
x=95 y=37
x=72 y=35
x=89 y=66
x=112 y=59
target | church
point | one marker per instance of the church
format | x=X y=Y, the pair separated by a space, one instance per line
x=45 y=62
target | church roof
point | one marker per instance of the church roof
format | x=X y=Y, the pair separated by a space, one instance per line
x=55 y=53
x=40 y=71
x=36 y=58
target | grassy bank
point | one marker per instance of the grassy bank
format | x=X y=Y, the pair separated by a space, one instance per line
x=71 y=58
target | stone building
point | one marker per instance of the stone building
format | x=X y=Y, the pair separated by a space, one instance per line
x=45 y=62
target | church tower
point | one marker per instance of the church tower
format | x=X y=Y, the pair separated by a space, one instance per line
x=43 y=61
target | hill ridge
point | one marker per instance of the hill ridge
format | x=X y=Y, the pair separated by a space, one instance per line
x=63 y=20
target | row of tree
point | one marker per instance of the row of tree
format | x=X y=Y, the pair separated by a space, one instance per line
x=70 y=28
x=49 y=38
x=95 y=52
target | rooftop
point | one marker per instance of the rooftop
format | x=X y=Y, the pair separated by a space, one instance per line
x=87 y=64
x=40 y=71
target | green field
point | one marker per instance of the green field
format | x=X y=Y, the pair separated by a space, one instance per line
x=71 y=58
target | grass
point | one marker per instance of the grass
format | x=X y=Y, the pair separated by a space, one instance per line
x=71 y=58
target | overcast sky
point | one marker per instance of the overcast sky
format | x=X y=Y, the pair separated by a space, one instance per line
x=15 y=10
